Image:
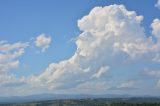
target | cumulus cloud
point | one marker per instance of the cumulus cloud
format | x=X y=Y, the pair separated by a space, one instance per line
x=43 y=42
x=158 y=4
x=156 y=26
x=112 y=39
x=156 y=32
x=109 y=34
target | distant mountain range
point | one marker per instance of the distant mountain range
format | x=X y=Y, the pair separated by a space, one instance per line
x=44 y=97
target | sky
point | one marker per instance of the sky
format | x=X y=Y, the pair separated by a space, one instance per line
x=79 y=47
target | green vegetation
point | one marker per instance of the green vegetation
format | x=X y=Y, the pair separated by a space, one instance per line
x=93 y=102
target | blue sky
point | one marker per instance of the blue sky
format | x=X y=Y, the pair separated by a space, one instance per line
x=50 y=31
x=22 y=20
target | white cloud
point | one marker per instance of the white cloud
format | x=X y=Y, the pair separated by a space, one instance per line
x=112 y=37
x=156 y=32
x=156 y=26
x=100 y=72
x=106 y=85
x=43 y=42
x=156 y=58
x=152 y=73
x=6 y=47
x=130 y=84
x=8 y=79
x=158 y=4
x=9 y=54
x=109 y=34
x=8 y=65
x=92 y=86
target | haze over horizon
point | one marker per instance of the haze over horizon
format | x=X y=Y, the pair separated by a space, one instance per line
x=79 y=47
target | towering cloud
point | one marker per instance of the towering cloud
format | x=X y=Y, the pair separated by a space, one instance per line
x=111 y=37
x=111 y=50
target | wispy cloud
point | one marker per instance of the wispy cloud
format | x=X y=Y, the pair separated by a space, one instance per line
x=9 y=54
x=9 y=60
x=158 y=4
x=152 y=73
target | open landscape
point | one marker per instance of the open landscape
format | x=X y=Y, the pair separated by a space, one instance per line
x=93 y=102
x=79 y=100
